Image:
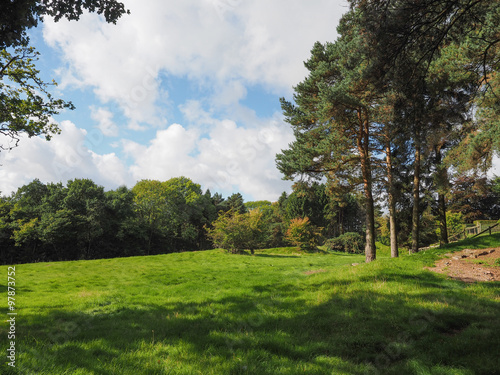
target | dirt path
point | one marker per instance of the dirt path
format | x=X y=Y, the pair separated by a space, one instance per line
x=471 y=265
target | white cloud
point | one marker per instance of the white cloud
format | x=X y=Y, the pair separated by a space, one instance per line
x=66 y=156
x=495 y=169
x=230 y=159
x=229 y=43
x=224 y=47
x=105 y=122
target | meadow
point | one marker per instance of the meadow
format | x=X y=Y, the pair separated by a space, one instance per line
x=277 y=312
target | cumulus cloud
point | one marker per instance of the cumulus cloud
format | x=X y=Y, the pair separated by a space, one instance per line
x=224 y=47
x=228 y=160
x=66 y=156
x=495 y=169
x=104 y=120
x=228 y=43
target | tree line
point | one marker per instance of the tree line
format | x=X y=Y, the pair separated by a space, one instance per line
x=405 y=100
x=401 y=106
x=80 y=220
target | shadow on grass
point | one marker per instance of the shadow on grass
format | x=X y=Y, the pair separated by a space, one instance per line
x=439 y=328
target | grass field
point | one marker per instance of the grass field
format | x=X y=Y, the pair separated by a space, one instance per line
x=278 y=312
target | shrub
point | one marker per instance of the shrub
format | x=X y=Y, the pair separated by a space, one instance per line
x=350 y=242
x=303 y=234
x=236 y=232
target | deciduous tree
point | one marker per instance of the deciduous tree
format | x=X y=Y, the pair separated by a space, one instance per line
x=16 y=17
x=26 y=104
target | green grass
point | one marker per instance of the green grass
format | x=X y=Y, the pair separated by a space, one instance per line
x=278 y=312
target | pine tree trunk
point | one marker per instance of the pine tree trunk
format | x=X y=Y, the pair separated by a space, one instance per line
x=415 y=232
x=442 y=219
x=370 y=249
x=392 y=204
x=363 y=143
x=441 y=182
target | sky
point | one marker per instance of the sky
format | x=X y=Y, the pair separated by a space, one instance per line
x=177 y=88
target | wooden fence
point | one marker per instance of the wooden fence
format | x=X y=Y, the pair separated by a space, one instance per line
x=480 y=227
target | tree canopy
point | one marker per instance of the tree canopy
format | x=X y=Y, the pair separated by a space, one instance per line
x=16 y=17
x=407 y=90
x=26 y=105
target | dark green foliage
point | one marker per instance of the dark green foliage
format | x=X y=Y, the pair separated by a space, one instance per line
x=16 y=17
x=476 y=198
x=235 y=203
x=81 y=221
x=172 y=214
x=350 y=242
x=335 y=213
x=26 y=106
x=262 y=205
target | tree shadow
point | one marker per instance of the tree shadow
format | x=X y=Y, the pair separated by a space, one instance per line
x=438 y=328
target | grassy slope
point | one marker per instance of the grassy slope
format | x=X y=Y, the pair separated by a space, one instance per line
x=215 y=313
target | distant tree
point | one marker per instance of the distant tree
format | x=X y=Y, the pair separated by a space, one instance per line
x=149 y=204
x=235 y=203
x=307 y=200
x=124 y=234
x=263 y=205
x=188 y=210
x=218 y=201
x=349 y=242
x=44 y=222
x=174 y=213
x=303 y=234
x=59 y=232
x=475 y=198
x=456 y=224
x=86 y=202
x=7 y=249
x=236 y=232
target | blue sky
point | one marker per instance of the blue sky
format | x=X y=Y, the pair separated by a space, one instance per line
x=175 y=88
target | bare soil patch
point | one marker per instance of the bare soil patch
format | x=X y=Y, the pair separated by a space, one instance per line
x=314 y=271
x=470 y=265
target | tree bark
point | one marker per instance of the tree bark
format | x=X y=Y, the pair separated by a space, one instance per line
x=443 y=226
x=415 y=232
x=392 y=203
x=363 y=143
x=441 y=182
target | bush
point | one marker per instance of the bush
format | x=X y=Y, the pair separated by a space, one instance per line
x=236 y=232
x=350 y=242
x=303 y=234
